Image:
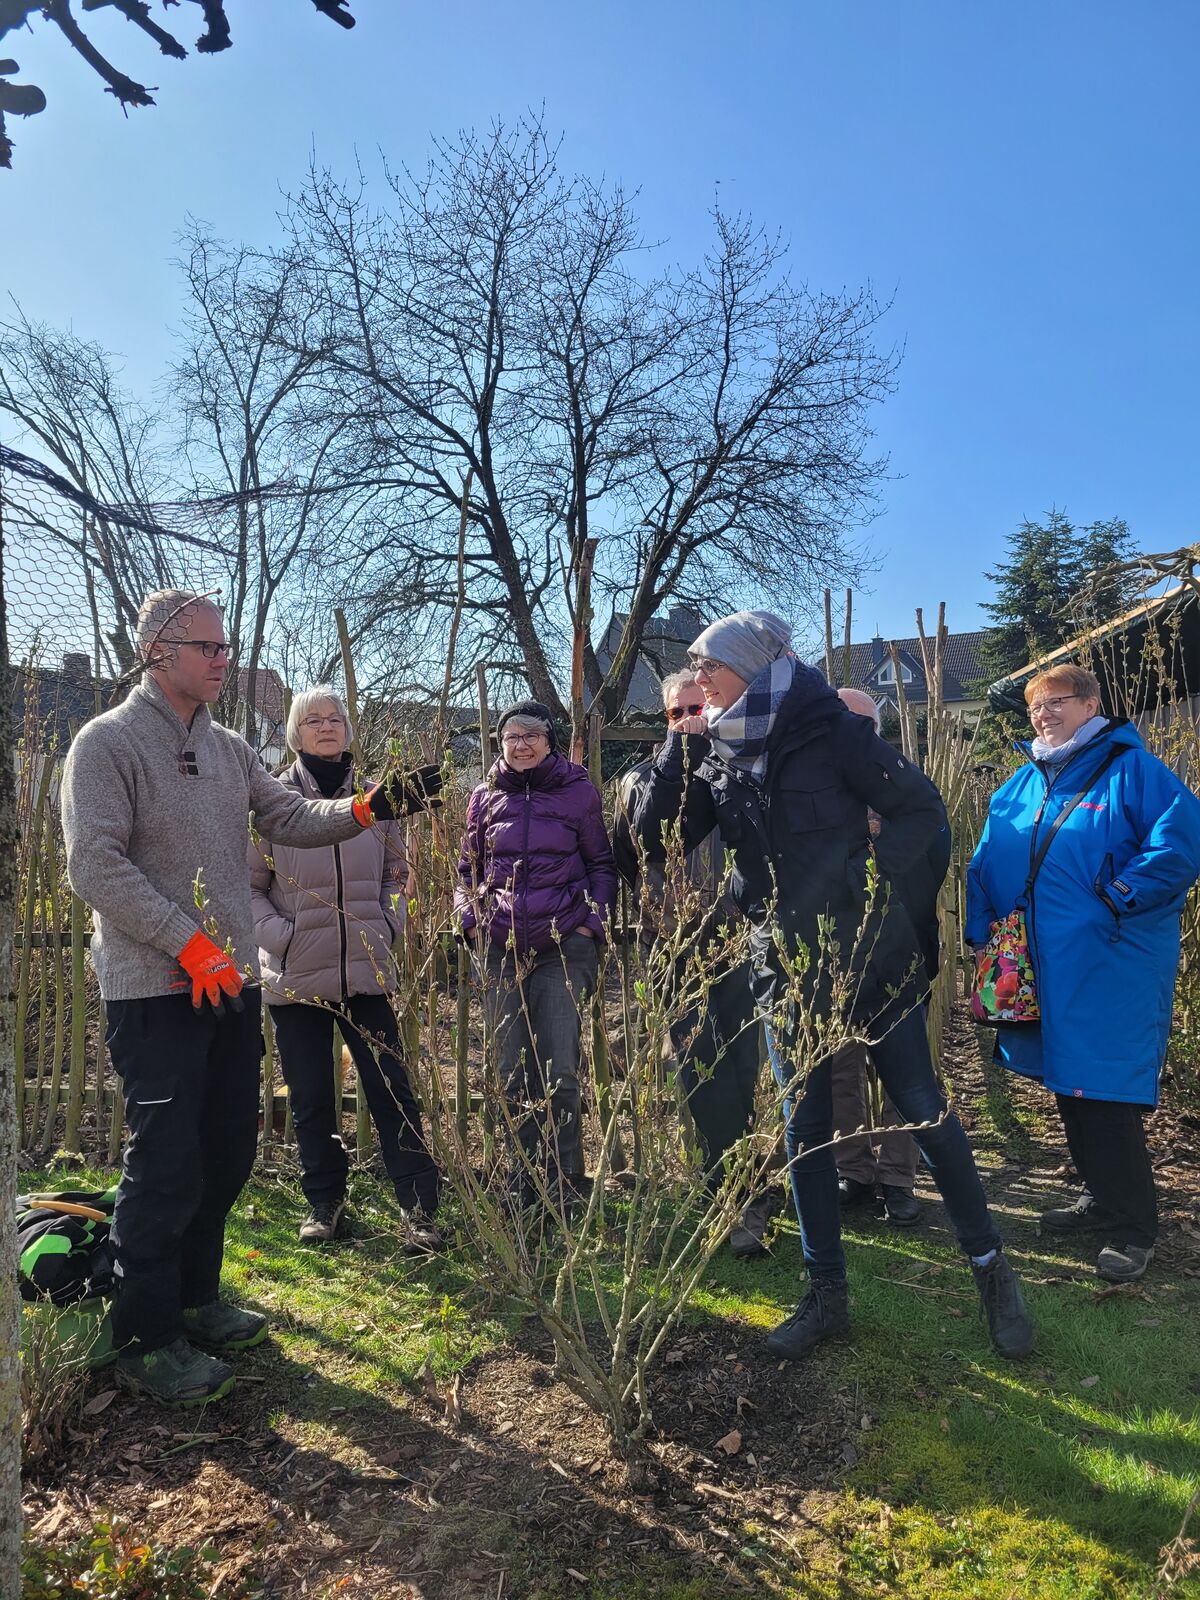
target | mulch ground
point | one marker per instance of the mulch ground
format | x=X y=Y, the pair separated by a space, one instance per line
x=441 y=1495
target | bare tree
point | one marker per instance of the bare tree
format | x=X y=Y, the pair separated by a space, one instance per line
x=709 y=427
x=62 y=395
x=254 y=419
x=27 y=100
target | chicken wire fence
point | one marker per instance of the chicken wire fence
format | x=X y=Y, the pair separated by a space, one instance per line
x=75 y=571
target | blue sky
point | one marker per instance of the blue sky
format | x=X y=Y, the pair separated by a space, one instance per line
x=1022 y=179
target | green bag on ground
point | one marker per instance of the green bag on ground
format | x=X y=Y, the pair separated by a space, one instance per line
x=64 y=1269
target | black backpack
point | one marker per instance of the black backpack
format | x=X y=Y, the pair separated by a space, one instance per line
x=63 y=1246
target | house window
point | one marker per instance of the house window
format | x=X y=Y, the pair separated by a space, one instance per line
x=887 y=673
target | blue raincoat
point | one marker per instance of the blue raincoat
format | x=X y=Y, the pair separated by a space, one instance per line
x=1104 y=915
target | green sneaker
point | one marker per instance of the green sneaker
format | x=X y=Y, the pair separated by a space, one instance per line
x=218 y=1326
x=176 y=1375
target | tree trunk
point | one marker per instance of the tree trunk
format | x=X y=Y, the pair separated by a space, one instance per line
x=10 y=1367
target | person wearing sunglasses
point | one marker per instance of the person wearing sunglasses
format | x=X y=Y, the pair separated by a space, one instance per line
x=326 y=922
x=718 y=1052
x=156 y=804
x=789 y=774
x=535 y=893
x=1102 y=920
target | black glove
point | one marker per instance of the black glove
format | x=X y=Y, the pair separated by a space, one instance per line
x=400 y=794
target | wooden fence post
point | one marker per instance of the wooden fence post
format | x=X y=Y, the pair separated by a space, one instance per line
x=78 y=1072
x=60 y=992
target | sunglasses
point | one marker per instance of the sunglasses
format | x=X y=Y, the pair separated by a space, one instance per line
x=677 y=713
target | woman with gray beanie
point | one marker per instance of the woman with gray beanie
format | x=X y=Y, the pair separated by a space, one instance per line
x=788 y=774
x=536 y=888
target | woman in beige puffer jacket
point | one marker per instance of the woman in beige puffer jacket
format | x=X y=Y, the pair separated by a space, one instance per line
x=326 y=920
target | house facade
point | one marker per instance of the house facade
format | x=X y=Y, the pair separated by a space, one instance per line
x=663 y=651
x=872 y=669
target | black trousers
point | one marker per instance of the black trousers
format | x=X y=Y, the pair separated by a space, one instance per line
x=191 y=1086
x=1107 y=1141
x=304 y=1035
x=719 y=1067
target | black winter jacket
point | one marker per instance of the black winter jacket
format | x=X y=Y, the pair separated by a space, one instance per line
x=805 y=830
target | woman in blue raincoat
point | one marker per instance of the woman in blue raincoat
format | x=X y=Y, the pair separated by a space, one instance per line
x=1103 y=921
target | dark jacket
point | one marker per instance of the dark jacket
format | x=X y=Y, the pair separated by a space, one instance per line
x=536 y=860
x=326 y=920
x=805 y=830
x=917 y=884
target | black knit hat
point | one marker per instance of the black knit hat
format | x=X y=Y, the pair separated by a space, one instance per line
x=529 y=711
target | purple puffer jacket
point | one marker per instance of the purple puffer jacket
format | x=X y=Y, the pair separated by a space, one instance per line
x=536 y=858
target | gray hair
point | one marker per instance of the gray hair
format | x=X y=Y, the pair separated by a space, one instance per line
x=304 y=702
x=527 y=724
x=159 y=611
x=676 y=680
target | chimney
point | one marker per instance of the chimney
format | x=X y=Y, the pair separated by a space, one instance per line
x=76 y=665
x=877 y=652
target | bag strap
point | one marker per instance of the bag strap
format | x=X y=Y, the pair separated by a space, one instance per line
x=1037 y=853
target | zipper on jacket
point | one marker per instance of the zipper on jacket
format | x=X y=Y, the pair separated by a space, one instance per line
x=341 y=921
x=1050 y=778
x=525 y=859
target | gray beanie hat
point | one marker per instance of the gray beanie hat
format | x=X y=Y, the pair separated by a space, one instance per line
x=747 y=641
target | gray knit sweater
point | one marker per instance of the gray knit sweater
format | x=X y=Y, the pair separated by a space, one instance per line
x=150 y=804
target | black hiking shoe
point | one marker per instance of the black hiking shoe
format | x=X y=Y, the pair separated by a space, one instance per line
x=222 y=1327
x=323 y=1222
x=1085 y=1216
x=824 y=1313
x=1123 y=1263
x=854 y=1192
x=419 y=1232
x=748 y=1235
x=176 y=1375
x=900 y=1206
x=1008 y=1321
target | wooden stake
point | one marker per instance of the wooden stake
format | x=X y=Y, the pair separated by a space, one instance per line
x=830 y=674
x=460 y=601
x=78 y=1070
x=583 y=622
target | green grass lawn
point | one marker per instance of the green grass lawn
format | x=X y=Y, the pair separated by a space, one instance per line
x=1059 y=1478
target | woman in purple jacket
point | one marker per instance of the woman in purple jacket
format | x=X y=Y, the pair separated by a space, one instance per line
x=537 y=884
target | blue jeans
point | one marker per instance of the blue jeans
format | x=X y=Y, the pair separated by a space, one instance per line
x=905 y=1068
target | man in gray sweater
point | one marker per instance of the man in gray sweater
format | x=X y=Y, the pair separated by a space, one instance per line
x=156 y=799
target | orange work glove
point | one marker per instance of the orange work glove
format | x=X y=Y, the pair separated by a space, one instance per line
x=213 y=974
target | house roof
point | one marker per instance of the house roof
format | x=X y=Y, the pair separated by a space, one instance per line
x=960 y=666
x=268 y=691
x=663 y=650
x=51 y=702
x=1114 y=648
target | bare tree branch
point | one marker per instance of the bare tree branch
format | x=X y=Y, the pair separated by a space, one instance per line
x=26 y=100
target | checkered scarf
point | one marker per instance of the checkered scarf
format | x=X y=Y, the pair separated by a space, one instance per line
x=739 y=734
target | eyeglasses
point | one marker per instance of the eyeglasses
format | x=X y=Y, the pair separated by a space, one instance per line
x=212 y=647
x=337 y=721
x=522 y=738
x=1040 y=706
x=706 y=665
x=677 y=713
